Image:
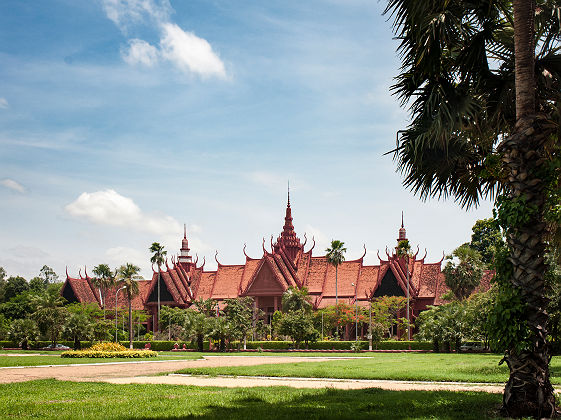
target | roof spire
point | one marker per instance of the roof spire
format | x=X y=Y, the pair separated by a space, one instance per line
x=288 y=193
x=402 y=232
x=402 y=219
x=185 y=230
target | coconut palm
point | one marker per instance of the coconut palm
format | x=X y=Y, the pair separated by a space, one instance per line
x=127 y=276
x=468 y=70
x=103 y=280
x=158 y=258
x=335 y=256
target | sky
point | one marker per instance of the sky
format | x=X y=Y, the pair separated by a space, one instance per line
x=122 y=120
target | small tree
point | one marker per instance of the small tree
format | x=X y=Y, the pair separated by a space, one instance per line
x=465 y=275
x=127 y=275
x=335 y=256
x=22 y=331
x=240 y=316
x=295 y=299
x=298 y=326
x=103 y=280
x=158 y=258
x=196 y=327
x=50 y=313
x=78 y=327
x=48 y=275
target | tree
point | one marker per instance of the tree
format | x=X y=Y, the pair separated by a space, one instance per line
x=48 y=275
x=22 y=331
x=127 y=274
x=335 y=256
x=78 y=327
x=3 y=276
x=485 y=239
x=475 y=132
x=158 y=258
x=404 y=251
x=4 y=327
x=37 y=285
x=209 y=307
x=465 y=275
x=294 y=299
x=50 y=313
x=195 y=327
x=14 y=286
x=298 y=326
x=103 y=280
x=240 y=315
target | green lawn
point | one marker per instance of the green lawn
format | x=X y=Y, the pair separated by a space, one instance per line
x=51 y=399
x=397 y=366
x=9 y=361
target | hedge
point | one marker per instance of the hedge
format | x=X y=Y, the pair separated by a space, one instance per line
x=129 y=354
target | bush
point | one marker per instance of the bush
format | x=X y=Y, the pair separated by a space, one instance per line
x=129 y=354
x=107 y=347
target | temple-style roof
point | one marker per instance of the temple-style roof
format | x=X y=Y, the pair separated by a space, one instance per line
x=286 y=264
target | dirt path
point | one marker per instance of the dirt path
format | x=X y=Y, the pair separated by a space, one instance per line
x=103 y=371
x=251 y=381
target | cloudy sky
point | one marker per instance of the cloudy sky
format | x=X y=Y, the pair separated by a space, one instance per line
x=120 y=120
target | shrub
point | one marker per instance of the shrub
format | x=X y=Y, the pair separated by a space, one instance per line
x=107 y=347
x=128 y=354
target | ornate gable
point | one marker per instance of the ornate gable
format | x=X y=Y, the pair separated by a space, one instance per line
x=266 y=281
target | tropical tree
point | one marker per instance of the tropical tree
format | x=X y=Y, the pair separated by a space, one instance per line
x=294 y=299
x=48 y=275
x=22 y=331
x=14 y=286
x=50 y=313
x=482 y=123
x=196 y=327
x=464 y=274
x=240 y=314
x=78 y=327
x=127 y=276
x=404 y=251
x=104 y=279
x=335 y=256
x=298 y=325
x=485 y=239
x=158 y=258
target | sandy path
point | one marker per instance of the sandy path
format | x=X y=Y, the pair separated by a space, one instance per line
x=102 y=371
x=235 y=382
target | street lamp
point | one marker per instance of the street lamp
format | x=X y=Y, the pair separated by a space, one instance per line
x=116 y=316
x=356 y=315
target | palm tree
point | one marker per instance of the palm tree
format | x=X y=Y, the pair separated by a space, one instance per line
x=335 y=256
x=404 y=251
x=295 y=299
x=103 y=280
x=474 y=133
x=127 y=274
x=158 y=258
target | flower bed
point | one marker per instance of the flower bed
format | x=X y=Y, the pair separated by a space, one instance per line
x=109 y=350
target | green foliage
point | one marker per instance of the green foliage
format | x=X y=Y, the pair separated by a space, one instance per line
x=294 y=299
x=50 y=315
x=14 y=286
x=4 y=327
x=195 y=327
x=22 y=331
x=485 y=239
x=298 y=325
x=48 y=275
x=78 y=327
x=158 y=254
x=209 y=307
x=172 y=316
x=240 y=317
x=126 y=354
x=465 y=275
x=18 y=307
x=336 y=253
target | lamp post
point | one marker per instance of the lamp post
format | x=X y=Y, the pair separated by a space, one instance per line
x=356 y=315
x=116 y=316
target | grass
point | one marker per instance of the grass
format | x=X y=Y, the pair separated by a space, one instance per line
x=51 y=399
x=393 y=366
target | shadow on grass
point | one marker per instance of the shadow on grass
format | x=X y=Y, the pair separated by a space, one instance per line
x=253 y=403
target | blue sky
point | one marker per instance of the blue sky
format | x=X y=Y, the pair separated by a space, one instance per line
x=120 y=120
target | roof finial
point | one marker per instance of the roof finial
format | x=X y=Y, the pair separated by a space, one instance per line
x=402 y=218
x=288 y=193
x=184 y=230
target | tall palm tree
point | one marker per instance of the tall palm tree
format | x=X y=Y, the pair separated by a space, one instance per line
x=474 y=133
x=127 y=275
x=103 y=280
x=158 y=258
x=335 y=256
x=404 y=251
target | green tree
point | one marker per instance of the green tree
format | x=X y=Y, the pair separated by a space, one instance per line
x=48 y=275
x=104 y=279
x=14 y=286
x=78 y=327
x=209 y=307
x=298 y=325
x=475 y=129
x=463 y=276
x=3 y=276
x=196 y=327
x=37 y=285
x=50 y=314
x=218 y=328
x=240 y=314
x=4 y=327
x=158 y=258
x=485 y=238
x=127 y=276
x=18 y=307
x=22 y=331
x=294 y=299
x=335 y=256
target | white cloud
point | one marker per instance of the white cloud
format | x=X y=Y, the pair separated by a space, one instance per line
x=189 y=52
x=12 y=185
x=119 y=255
x=140 y=52
x=3 y=103
x=110 y=208
x=126 y=12
x=322 y=242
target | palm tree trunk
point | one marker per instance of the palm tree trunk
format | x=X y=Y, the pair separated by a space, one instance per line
x=528 y=391
x=130 y=322
x=159 y=278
